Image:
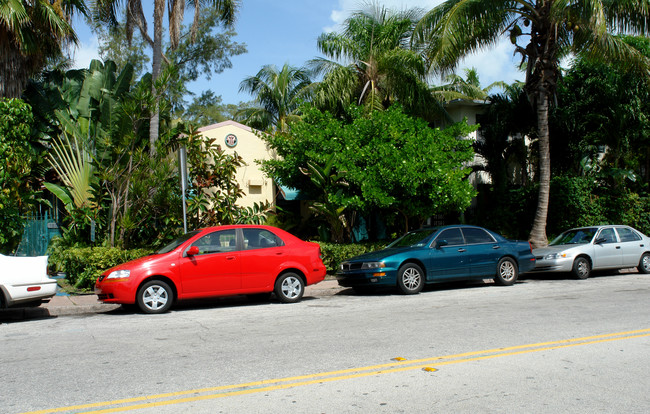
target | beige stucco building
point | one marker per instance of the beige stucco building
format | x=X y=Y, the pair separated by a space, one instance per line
x=235 y=137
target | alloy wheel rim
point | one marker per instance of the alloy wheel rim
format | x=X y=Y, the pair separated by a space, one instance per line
x=507 y=271
x=291 y=287
x=411 y=278
x=155 y=297
x=646 y=263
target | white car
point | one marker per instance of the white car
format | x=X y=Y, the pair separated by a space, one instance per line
x=584 y=249
x=24 y=281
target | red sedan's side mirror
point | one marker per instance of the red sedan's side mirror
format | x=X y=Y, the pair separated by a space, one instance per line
x=193 y=251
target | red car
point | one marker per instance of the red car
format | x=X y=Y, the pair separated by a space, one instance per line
x=217 y=261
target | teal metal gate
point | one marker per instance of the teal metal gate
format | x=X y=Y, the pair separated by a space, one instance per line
x=39 y=230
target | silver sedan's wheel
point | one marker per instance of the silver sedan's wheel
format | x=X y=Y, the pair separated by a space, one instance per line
x=581 y=268
x=289 y=288
x=410 y=279
x=507 y=272
x=155 y=297
x=644 y=263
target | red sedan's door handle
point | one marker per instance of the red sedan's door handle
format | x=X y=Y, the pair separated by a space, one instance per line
x=279 y=254
x=462 y=250
x=231 y=257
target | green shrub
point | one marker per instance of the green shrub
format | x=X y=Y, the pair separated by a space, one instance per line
x=334 y=254
x=83 y=265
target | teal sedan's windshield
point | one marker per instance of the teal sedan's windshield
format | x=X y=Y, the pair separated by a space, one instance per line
x=575 y=236
x=416 y=238
x=180 y=240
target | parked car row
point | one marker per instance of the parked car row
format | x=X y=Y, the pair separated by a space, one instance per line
x=263 y=260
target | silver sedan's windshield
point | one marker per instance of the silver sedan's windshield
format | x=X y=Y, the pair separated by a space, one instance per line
x=413 y=238
x=575 y=236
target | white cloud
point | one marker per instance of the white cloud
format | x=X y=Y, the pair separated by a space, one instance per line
x=84 y=52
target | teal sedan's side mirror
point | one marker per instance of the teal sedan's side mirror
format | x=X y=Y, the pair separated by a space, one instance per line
x=441 y=243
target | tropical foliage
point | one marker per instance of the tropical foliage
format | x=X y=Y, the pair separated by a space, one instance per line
x=21 y=155
x=550 y=30
x=31 y=32
x=384 y=162
x=371 y=63
x=278 y=95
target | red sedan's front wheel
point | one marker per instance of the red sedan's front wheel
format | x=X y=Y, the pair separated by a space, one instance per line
x=155 y=296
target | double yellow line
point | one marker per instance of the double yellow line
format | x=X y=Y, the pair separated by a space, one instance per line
x=401 y=365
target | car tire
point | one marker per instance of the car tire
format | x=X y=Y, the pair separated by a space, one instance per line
x=644 y=263
x=410 y=279
x=154 y=297
x=289 y=288
x=581 y=268
x=507 y=272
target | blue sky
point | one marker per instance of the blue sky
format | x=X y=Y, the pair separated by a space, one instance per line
x=285 y=31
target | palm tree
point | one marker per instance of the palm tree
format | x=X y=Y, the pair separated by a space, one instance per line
x=371 y=62
x=105 y=10
x=31 y=32
x=278 y=95
x=553 y=29
x=469 y=87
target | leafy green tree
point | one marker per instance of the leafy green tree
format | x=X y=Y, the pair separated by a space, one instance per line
x=278 y=95
x=371 y=63
x=31 y=32
x=208 y=109
x=468 y=88
x=601 y=125
x=105 y=10
x=392 y=163
x=20 y=155
x=552 y=30
x=214 y=190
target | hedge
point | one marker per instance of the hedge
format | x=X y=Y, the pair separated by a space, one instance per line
x=334 y=254
x=83 y=265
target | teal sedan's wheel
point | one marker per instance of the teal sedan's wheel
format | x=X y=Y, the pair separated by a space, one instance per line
x=155 y=297
x=644 y=263
x=581 y=268
x=410 y=279
x=507 y=272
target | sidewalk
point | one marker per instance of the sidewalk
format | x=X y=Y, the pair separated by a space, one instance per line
x=89 y=304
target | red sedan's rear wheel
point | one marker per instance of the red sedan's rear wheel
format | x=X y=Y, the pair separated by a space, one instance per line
x=289 y=288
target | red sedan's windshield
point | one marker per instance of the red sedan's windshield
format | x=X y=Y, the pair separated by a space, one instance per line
x=182 y=239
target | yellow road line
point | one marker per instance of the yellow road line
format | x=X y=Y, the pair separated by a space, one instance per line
x=303 y=380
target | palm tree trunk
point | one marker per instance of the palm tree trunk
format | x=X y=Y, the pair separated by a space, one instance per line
x=154 y=126
x=538 y=233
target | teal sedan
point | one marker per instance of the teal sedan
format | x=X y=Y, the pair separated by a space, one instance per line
x=439 y=254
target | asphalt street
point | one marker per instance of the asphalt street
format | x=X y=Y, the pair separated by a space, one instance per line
x=544 y=345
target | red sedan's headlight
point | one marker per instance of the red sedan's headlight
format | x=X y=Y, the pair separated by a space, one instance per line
x=119 y=274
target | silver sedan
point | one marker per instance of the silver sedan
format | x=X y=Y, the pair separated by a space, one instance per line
x=584 y=249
